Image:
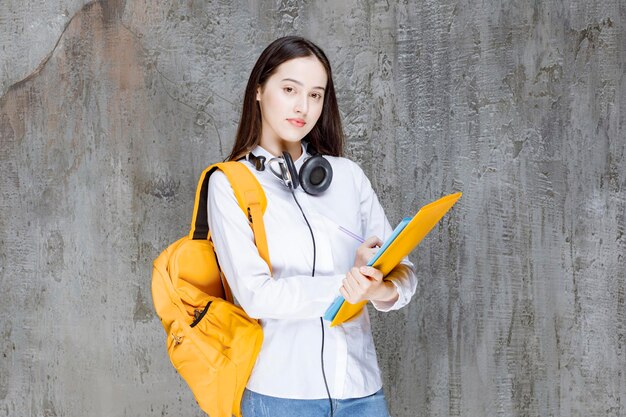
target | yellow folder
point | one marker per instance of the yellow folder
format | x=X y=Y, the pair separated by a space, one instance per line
x=410 y=236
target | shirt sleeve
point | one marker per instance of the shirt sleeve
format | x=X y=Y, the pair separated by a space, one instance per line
x=374 y=222
x=248 y=275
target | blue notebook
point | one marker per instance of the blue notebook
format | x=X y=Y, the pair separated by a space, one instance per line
x=331 y=312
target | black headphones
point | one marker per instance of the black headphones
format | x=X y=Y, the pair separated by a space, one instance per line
x=315 y=174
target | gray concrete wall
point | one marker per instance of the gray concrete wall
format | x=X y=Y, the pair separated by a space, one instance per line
x=110 y=110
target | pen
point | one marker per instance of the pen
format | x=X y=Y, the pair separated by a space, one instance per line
x=349 y=233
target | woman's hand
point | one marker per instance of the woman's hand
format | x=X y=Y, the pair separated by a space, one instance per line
x=366 y=283
x=366 y=251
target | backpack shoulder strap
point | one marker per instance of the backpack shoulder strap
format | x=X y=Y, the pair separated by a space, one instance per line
x=249 y=194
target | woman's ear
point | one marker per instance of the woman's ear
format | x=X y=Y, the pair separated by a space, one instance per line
x=258 y=93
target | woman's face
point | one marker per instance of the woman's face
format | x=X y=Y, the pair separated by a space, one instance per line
x=291 y=103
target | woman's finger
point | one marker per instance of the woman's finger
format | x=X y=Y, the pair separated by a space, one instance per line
x=348 y=296
x=345 y=295
x=351 y=284
x=372 y=241
x=357 y=279
x=371 y=272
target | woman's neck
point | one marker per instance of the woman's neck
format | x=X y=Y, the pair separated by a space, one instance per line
x=277 y=149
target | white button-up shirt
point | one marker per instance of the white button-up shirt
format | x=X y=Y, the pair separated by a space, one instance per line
x=290 y=302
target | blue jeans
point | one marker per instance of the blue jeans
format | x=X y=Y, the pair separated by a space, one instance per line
x=258 y=405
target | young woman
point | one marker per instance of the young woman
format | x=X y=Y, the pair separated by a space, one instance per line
x=290 y=125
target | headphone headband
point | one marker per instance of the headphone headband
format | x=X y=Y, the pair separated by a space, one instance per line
x=257 y=161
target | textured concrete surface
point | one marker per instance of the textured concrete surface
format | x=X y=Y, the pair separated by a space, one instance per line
x=110 y=110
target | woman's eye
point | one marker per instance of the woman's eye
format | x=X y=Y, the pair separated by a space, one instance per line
x=288 y=89
x=317 y=96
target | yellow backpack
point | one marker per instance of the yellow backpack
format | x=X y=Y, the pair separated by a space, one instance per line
x=211 y=342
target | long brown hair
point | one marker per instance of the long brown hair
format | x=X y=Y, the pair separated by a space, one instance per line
x=326 y=136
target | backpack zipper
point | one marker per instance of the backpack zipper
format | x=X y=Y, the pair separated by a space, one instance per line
x=198 y=315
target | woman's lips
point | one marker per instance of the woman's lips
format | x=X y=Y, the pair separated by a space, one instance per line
x=297 y=122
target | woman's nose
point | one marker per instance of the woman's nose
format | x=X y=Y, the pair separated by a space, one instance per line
x=302 y=105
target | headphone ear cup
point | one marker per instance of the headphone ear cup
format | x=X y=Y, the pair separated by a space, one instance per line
x=291 y=168
x=316 y=175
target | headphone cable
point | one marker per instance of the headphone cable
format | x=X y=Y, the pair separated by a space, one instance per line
x=311 y=230
x=330 y=401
